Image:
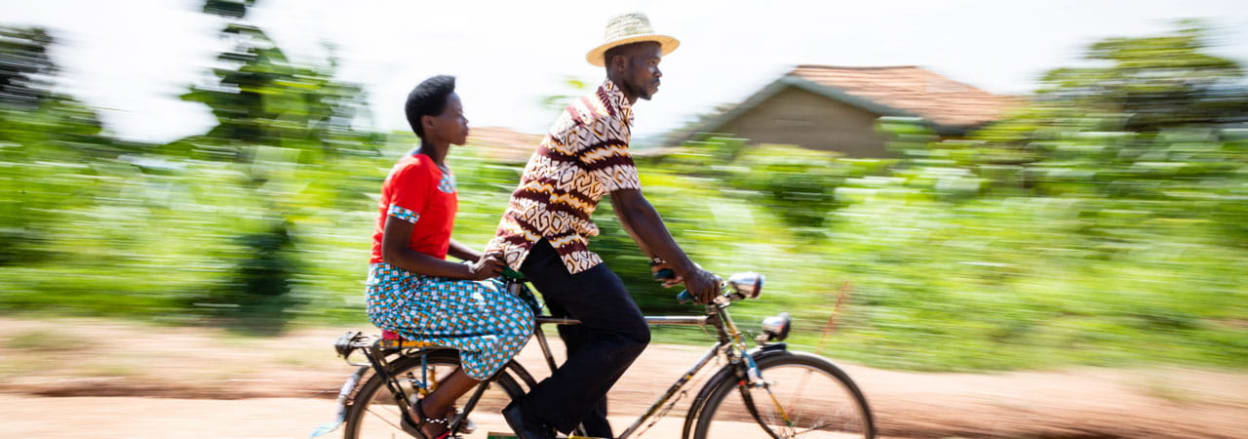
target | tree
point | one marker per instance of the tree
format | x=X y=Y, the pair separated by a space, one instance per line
x=260 y=97
x=1156 y=82
x=273 y=115
x=37 y=127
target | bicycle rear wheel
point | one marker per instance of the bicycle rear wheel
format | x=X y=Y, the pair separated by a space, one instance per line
x=374 y=413
x=817 y=399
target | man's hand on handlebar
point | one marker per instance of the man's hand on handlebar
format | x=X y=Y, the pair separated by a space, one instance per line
x=663 y=272
x=703 y=285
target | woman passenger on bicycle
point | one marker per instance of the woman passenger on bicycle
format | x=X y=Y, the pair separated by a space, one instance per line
x=412 y=289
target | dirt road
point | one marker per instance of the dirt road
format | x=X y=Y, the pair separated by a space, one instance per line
x=104 y=379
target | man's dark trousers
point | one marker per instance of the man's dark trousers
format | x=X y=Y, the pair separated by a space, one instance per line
x=611 y=335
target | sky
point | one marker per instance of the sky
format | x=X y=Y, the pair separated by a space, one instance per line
x=131 y=59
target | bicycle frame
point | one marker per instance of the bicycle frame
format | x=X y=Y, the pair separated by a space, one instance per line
x=717 y=316
x=731 y=345
x=672 y=390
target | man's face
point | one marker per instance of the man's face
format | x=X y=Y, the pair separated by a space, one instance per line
x=643 y=70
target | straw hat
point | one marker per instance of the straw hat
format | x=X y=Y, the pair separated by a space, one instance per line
x=627 y=29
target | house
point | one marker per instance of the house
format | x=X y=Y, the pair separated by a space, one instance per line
x=835 y=108
x=505 y=145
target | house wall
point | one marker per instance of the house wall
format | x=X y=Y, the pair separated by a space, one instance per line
x=798 y=117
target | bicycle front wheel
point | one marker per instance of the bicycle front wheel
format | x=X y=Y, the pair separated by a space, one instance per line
x=374 y=413
x=806 y=396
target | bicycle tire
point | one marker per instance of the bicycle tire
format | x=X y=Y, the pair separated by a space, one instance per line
x=754 y=405
x=373 y=394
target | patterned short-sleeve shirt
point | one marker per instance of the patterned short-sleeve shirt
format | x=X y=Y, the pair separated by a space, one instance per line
x=583 y=157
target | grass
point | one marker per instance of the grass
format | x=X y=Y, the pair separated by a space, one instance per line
x=107 y=368
x=1169 y=392
x=42 y=340
x=19 y=366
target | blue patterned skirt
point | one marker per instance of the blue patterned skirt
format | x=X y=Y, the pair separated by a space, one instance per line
x=487 y=324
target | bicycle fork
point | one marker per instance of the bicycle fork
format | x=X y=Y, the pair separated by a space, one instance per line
x=753 y=375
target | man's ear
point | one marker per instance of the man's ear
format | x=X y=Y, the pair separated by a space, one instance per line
x=618 y=63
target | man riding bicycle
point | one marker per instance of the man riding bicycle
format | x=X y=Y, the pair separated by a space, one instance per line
x=544 y=234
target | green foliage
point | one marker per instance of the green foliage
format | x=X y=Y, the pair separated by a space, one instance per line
x=574 y=88
x=47 y=142
x=41 y=340
x=261 y=97
x=797 y=184
x=228 y=8
x=1074 y=232
x=257 y=291
x=1156 y=82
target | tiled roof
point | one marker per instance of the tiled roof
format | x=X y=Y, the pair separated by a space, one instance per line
x=912 y=89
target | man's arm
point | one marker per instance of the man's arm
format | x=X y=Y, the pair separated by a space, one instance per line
x=643 y=223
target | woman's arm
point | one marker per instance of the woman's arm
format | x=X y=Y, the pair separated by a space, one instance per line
x=463 y=252
x=395 y=251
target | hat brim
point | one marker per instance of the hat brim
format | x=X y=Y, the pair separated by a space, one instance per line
x=668 y=44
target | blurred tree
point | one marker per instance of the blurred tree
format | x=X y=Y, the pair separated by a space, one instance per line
x=26 y=68
x=38 y=128
x=573 y=87
x=282 y=120
x=797 y=184
x=228 y=8
x=1097 y=130
x=260 y=97
x=257 y=293
x=1156 y=82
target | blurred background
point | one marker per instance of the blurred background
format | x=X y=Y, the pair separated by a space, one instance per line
x=937 y=186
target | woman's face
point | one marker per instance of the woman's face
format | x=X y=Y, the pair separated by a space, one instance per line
x=451 y=125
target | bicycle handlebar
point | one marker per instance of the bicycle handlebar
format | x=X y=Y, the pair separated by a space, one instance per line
x=684 y=297
x=667 y=273
x=512 y=274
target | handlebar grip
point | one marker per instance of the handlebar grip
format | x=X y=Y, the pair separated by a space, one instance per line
x=512 y=274
x=664 y=274
x=684 y=297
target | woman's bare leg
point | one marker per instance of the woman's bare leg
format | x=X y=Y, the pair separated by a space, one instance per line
x=438 y=402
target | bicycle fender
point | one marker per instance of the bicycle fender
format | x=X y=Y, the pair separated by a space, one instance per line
x=724 y=375
x=344 y=399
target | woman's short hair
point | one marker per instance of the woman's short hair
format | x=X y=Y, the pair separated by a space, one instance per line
x=428 y=99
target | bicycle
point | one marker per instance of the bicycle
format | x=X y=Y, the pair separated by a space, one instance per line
x=769 y=379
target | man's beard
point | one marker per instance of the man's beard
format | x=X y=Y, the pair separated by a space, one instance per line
x=642 y=92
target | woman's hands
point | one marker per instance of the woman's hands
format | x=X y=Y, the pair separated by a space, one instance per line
x=487 y=266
